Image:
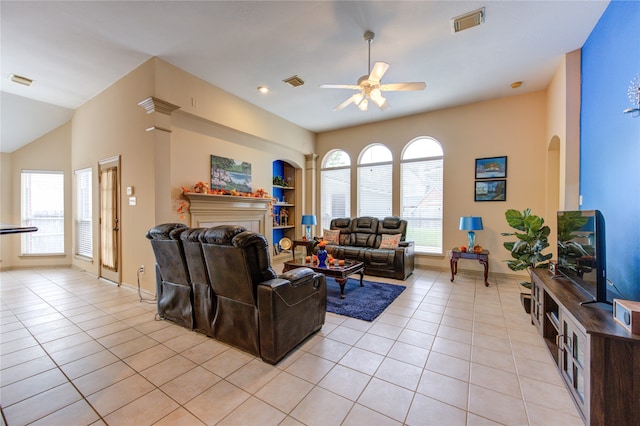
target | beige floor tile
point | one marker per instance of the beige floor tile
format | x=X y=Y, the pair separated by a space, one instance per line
x=444 y=388
x=449 y=366
x=361 y=415
x=185 y=341
x=284 y=392
x=416 y=338
x=41 y=405
x=361 y=360
x=329 y=349
x=18 y=357
x=409 y=353
x=541 y=371
x=119 y=394
x=145 y=410
x=547 y=395
x=66 y=342
x=346 y=335
x=544 y=416
x=167 y=370
x=88 y=364
x=253 y=411
x=204 y=351
x=345 y=382
x=494 y=379
x=26 y=369
x=386 y=398
x=399 y=373
x=500 y=360
x=253 y=376
x=17 y=345
x=149 y=357
x=78 y=413
x=496 y=406
x=227 y=362
x=103 y=378
x=453 y=333
x=428 y=411
x=120 y=337
x=376 y=344
x=310 y=367
x=491 y=342
x=217 y=402
x=132 y=347
x=385 y=330
x=190 y=384
x=179 y=417
x=23 y=389
x=322 y=408
x=475 y=420
x=73 y=353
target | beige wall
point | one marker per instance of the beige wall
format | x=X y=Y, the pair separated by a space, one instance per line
x=50 y=152
x=513 y=126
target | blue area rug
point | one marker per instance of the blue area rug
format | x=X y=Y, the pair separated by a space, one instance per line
x=364 y=303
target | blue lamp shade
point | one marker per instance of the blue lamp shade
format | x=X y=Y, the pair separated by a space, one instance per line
x=471 y=223
x=308 y=220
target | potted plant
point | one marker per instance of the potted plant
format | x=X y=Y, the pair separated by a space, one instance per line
x=526 y=251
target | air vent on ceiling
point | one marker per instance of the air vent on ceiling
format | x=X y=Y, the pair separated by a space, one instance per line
x=294 y=81
x=21 y=80
x=468 y=20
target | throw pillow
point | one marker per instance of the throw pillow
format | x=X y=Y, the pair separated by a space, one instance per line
x=390 y=241
x=331 y=236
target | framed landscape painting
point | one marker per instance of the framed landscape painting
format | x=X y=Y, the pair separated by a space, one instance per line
x=229 y=174
x=491 y=168
x=491 y=190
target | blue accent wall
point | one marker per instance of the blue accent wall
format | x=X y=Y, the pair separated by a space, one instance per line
x=610 y=140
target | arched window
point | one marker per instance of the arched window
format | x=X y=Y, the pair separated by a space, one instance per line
x=421 y=193
x=335 y=186
x=375 y=182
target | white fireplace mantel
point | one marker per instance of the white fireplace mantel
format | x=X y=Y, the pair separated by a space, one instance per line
x=212 y=210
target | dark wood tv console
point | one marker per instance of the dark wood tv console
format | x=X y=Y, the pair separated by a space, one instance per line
x=599 y=360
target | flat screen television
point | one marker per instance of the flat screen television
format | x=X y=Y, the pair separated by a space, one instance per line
x=582 y=251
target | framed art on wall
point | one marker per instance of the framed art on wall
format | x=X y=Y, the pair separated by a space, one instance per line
x=491 y=168
x=230 y=174
x=491 y=190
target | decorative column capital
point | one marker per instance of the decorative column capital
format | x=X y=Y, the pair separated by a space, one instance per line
x=153 y=104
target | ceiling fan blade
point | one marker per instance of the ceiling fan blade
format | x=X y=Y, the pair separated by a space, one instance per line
x=402 y=86
x=379 y=68
x=346 y=103
x=340 y=86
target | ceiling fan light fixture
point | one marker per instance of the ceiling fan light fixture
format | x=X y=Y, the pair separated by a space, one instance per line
x=468 y=20
x=364 y=104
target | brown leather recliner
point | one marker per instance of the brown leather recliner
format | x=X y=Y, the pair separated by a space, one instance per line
x=258 y=311
x=204 y=299
x=173 y=284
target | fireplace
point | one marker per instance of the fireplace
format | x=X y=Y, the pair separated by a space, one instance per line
x=212 y=210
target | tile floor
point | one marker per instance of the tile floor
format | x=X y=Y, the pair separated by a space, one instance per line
x=78 y=351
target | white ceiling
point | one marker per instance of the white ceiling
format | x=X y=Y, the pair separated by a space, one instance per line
x=75 y=49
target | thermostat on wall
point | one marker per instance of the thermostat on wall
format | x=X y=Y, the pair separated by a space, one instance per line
x=627 y=314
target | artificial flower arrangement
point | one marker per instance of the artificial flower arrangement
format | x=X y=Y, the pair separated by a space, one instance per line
x=203 y=188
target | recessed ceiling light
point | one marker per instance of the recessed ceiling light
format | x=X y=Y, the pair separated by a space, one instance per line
x=20 y=79
x=263 y=89
x=516 y=84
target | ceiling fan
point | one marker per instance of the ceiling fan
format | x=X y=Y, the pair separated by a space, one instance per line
x=370 y=87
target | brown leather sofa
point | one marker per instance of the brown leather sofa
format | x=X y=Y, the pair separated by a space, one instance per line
x=360 y=239
x=235 y=295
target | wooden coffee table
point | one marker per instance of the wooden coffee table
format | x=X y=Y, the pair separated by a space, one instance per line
x=339 y=272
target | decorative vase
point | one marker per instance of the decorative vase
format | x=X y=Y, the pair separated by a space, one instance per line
x=322 y=257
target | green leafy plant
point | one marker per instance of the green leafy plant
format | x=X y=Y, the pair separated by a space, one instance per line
x=532 y=239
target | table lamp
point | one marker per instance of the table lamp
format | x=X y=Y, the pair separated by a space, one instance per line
x=471 y=223
x=308 y=220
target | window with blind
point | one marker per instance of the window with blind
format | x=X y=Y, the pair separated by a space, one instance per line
x=83 y=221
x=375 y=186
x=335 y=186
x=421 y=193
x=42 y=205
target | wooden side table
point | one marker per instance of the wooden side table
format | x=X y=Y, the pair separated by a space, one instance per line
x=482 y=258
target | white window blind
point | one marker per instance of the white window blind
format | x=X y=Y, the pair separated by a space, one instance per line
x=335 y=187
x=42 y=205
x=83 y=220
x=375 y=186
x=422 y=194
